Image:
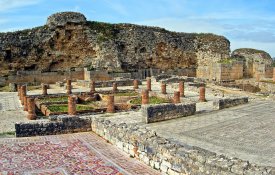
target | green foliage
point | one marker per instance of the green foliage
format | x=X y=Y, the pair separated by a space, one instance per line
x=64 y=108
x=226 y=61
x=9 y=133
x=54 y=99
x=4 y=89
x=152 y=100
x=106 y=31
x=133 y=93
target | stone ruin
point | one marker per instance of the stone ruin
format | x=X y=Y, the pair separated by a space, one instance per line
x=71 y=51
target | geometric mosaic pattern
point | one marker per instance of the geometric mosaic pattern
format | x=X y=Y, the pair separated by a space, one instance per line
x=58 y=155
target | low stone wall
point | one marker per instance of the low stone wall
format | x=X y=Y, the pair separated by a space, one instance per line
x=170 y=157
x=124 y=82
x=55 y=125
x=156 y=113
x=45 y=77
x=229 y=102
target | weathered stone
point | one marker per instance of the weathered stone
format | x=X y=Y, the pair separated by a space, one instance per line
x=71 y=105
x=110 y=104
x=202 y=94
x=31 y=109
x=163 y=88
x=145 y=97
x=155 y=113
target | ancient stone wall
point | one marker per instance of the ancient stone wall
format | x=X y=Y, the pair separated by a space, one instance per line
x=162 y=112
x=170 y=157
x=229 y=102
x=68 y=41
x=56 y=125
x=45 y=77
x=252 y=58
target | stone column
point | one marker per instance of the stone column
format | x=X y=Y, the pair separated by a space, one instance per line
x=25 y=103
x=149 y=84
x=71 y=105
x=202 y=94
x=92 y=87
x=163 y=88
x=135 y=84
x=23 y=93
x=274 y=74
x=181 y=88
x=110 y=104
x=257 y=77
x=69 y=86
x=19 y=90
x=44 y=89
x=145 y=97
x=31 y=109
x=115 y=87
x=176 y=97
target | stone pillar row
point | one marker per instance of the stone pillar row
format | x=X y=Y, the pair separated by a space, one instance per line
x=69 y=87
x=176 y=98
x=44 y=89
x=149 y=86
x=274 y=74
x=163 y=88
x=110 y=104
x=135 y=84
x=23 y=93
x=115 y=87
x=92 y=87
x=202 y=94
x=71 y=105
x=145 y=97
x=31 y=109
x=181 y=88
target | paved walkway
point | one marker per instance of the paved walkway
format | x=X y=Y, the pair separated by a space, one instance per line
x=81 y=153
x=10 y=111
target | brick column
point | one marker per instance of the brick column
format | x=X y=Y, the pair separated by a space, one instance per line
x=25 y=103
x=149 y=84
x=71 y=105
x=69 y=86
x=115 y=87
x=92 y=87
x=23 y=93
x=181 y=88
x=135 y=84
x=145 y=97
x=44 y=89
x=163 y=88
x=110 y=104
x=31 y=109
x=274 y=74
x=202 y=94
x=176 y=98
x=19 y=90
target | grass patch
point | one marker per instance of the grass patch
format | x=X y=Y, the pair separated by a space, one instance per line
x=152 y=100
x=64 y=108
x=268 y=81
x=30 y=88
x=7 y=133
x=126 y=94
x=54 y=99
x=4 y=89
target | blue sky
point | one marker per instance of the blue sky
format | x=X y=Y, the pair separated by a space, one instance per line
x=246 y=23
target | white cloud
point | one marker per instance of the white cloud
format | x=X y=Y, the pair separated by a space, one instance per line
x=6 y=5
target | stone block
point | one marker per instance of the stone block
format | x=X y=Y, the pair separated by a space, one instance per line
x=155 y=113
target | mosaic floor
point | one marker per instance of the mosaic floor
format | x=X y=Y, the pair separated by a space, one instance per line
x=81 y=153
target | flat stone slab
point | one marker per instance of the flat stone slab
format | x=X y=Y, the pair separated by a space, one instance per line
x=246 y=131
x=81 y=153
x=10 y=111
